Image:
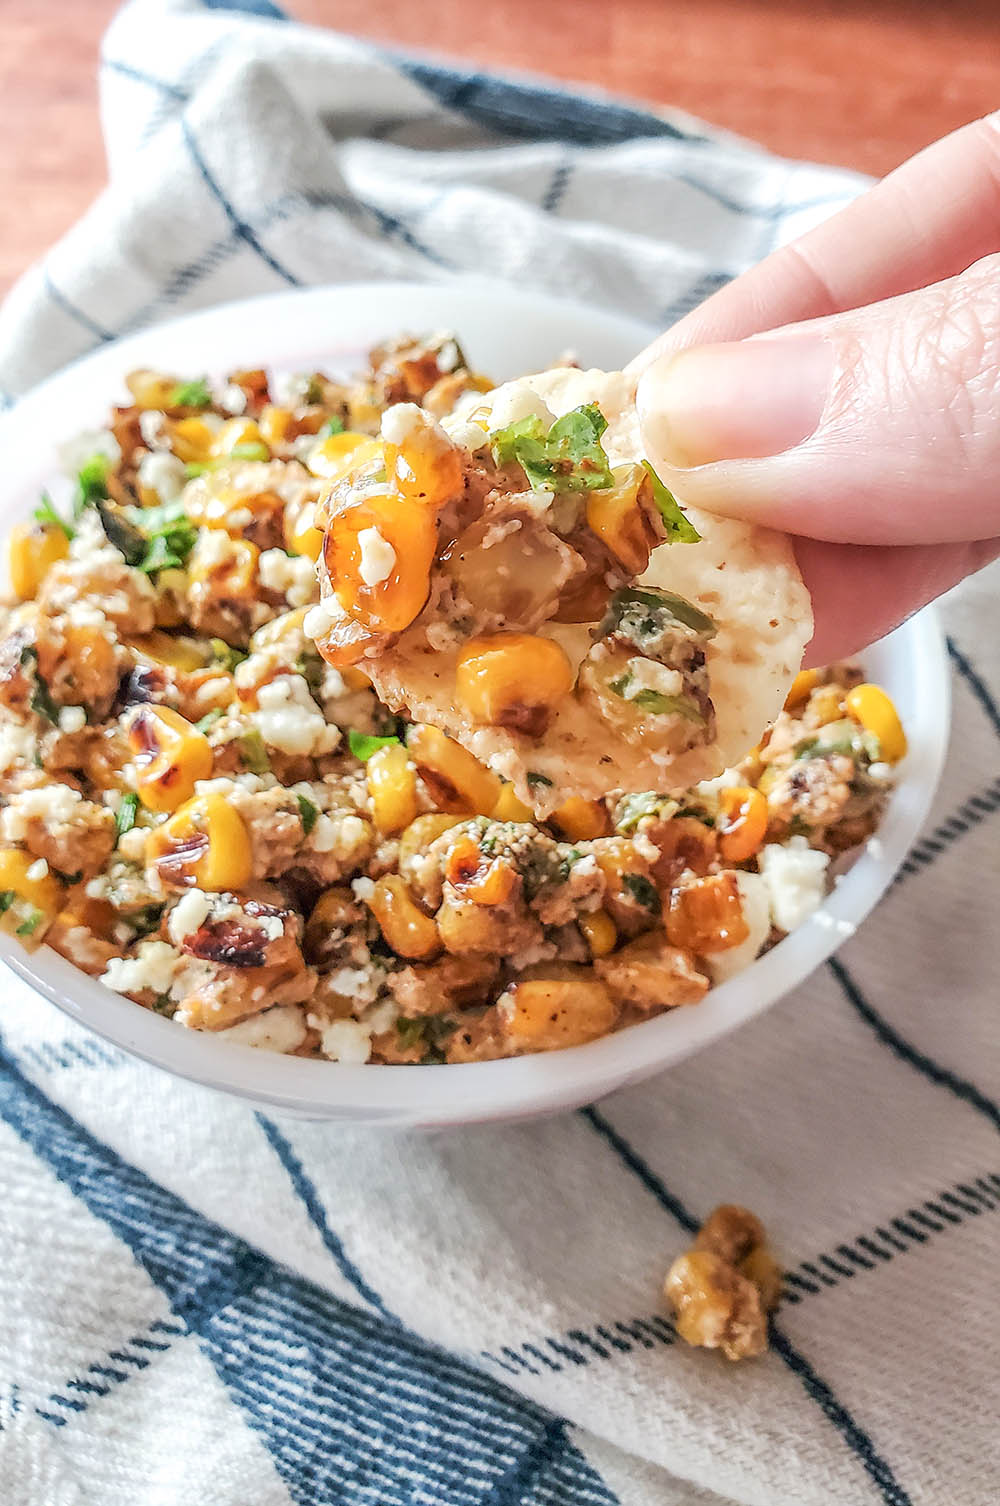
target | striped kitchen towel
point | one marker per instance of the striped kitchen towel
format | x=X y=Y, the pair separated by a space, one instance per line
x=202 y=1305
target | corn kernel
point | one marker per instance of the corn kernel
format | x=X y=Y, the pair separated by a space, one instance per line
x=870 y=706
x=151 y=389
x=235 y=432
x=170 y=757
x=802 y=688
x=334 y=456
x=29 y=901
x=825 y=705
x=230 y=575
x=547 y=1013
x=513 y=680
x=455 y=779
x=274 y=424
x=419 y=835
x=617 y=516
x=581 y=820
x=392 y=785
x=510 y=808
x=191 y=440
x=743 y=824
x=32 y=550
x=404 y=925
x=478 y=878
x=600 y=932
x=354 y=678
x=301 y=534
x=707 y=914
x=426 y=467
x=204 y=844
x=157 y=647
x=389 y=604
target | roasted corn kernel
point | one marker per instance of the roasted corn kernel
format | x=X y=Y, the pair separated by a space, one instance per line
x=455 y=779
x=581 y=820
x=334 y=456
x=238 y=433
x=274 y=424
x=404 y=925
x=301 y=534
x=151 y=389
x=419 y=835
x=513 y=680
x=170 y=756
x=802 y=688
x=510 y=808
x=870 y=706
x=478 y=878
x=553 y=1006
x=33 y=549
x=426 y=467
x=742 y=823
x=30 y=896
x=378 y=554
x=191 y=439
x=392 y=786
x=620 y=520
x=707 y=914
x=333 y=916
x=599 y=931
x=228 y=572
x=204 y=844
x=176 y=652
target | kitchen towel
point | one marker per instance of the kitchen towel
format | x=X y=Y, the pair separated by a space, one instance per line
x=202 y=1304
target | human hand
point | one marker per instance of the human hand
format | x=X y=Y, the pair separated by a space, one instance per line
x=847 y=390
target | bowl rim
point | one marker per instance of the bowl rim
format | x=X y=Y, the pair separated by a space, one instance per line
x=515 y=1087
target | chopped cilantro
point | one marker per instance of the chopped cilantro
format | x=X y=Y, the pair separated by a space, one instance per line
x=46 y=514
x=91 y=483
x=7 y=898
x=634 y=808
x=253 y=450
x=680 y=530
x=314 y=390
x=170 y=536
x=41 y=701
x=254 y=753
x=643 y=891
x=145 y=920
x=31 y=922
x=225 y=655
x=126 y=814
x=209 y=719
x=333 y=425
x=312 y=669
x=362 y=745
x=307 y=813
x=193 y=468
x=164 y=1004
x=194 y=394
x=537 y=781
x=569 y=458
x=409 y=1031
x=644 y=615
x=656 y=702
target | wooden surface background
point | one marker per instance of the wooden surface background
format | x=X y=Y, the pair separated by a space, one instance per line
x=862 y=83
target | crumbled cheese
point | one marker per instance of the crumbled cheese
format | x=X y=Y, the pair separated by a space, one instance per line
x=38 y=870
x=153 y=967
x=346 y=1041
x=233 y=399
x=756 y=908
x=17 y=744
x=293 y=576
x=213 y=547
x=364 y=889
x=795 y=874
x=874 y=847
x=190 y=912
x=403 y=420
x=463 y=432
x=75 y=452
x=362 y=984
x=53 y=804
x=289 y=719
x=377 y=557
x=324 y=834
x=646 y=674
x=382 y=1017
x=516 y=401
x=708 y=789
x=290 y=388
x=132 y=844
x=320 y=619
x=279 y=1029
x=72 y=719
x=163 y=474
x=880 y=773
x=271 y=925
x=153 y=428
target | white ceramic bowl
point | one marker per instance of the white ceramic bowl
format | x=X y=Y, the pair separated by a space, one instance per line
x=506 y=333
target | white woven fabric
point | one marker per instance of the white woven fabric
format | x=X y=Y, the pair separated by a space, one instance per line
x=200 y=1305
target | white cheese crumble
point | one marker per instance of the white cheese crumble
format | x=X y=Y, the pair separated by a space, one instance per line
x=646 y=674
x=515 y=401
x=163 y=474
x=463 y=432
x=279 y=1029
x=132 y=844
x=75 y=452
x=377 y=557
x=292 y=575
x=213 y=547
x=756 y=906
x=401 y=421
x=54 y=804
x=795 y=874
x=233 y=399
x=38 y=870
x=72 y=719
x=346 y=1041
x=189 y=913
x=320 y=619
x=153 y=428
x=364 y=889
x=153 y=967
x=17 y=744
x=289 y=719
x=708 y=789
x=289 y=389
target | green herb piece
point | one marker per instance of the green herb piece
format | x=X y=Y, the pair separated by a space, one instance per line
x=643 y=891
x=569 y=458
x=253 y=450
x=169 y=534
x=7 y=898
x=254 y=753
x=145 y=920
x=362 y=745
x=311 y=667
x=308 y=813
x=225 y=655
x=120 y=531
x=333 y=425
x=67 y=878
x=91 y=483
x=655 y=702
x=314 y=390
x=193 y=468
x=46 y=514
x=538 y=781
x=165 y=1005
x=209 y=719
x=409 y=1031
x=645 y=614
x=41 y=701
x=30 y=924
x=680 y=529
x=125 y=815
x=194 y=394
x=634 y=808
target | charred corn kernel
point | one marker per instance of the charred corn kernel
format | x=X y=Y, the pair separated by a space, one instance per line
x=803 y=685
x=235 y=432
x=419 y=835
x=301 y=534
x=707 y=914
x=742 y=824
x=392 y=785
x=33 y=549
x=478 y=878
x=335 y=913
x=620 y=520
x=151 y=389
x=870 y=706
x=510 y=808
x=334 y=456
x=378 y=555
x=30 y=896
x=600 y=932
x=513 y=680
x=273 y=632
x=546 y=1013
x=581 y=820
x=453 y=776
x=205 y=845
x=274 y=424
x=228 y=572
x=170 y=756
x=191 y=439
x=426 y=467
x=825 y=705
x=404 y=925
x=355 y=679
x=185 y=654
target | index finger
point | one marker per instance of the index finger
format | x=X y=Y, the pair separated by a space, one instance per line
x=929 y=219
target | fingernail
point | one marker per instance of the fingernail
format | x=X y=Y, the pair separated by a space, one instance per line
x=739 y=401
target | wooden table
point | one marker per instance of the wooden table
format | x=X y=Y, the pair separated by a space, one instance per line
x=857 y=82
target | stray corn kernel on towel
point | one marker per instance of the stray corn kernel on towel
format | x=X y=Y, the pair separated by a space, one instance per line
x=201 y=1304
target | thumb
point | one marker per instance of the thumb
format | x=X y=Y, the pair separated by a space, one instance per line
x=878 y=426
